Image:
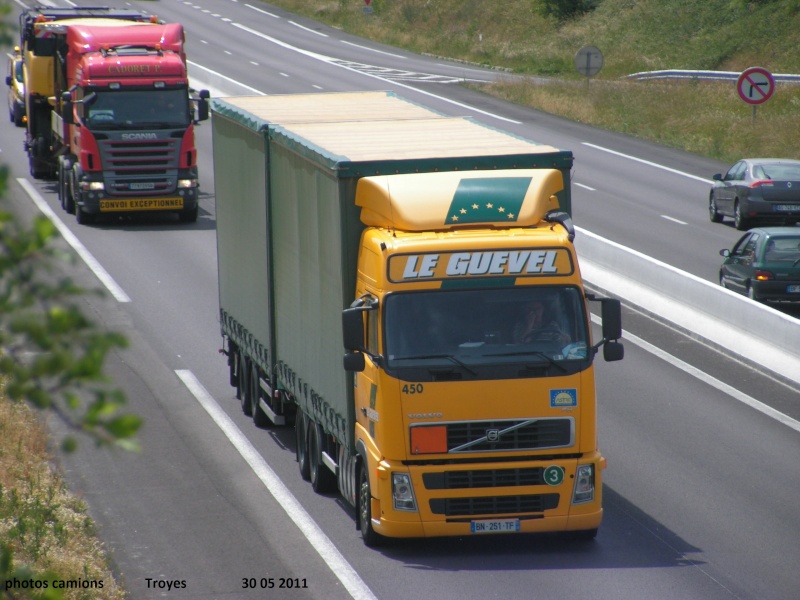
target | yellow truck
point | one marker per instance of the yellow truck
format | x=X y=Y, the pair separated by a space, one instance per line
x=402 y=287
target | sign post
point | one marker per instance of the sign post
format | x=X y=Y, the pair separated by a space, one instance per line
x=589 y=61
x=755 y=86
x=367 y=8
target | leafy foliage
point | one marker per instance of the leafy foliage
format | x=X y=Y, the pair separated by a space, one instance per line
x=51 y=354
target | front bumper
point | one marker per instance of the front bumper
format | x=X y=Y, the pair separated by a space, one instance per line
x=451 y=511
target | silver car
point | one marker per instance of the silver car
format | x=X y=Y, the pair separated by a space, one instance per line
x=755 y=191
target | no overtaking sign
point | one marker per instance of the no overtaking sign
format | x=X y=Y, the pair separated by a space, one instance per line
x=755 y=85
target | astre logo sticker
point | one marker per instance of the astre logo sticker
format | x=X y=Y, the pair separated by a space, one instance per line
x=488 y=200
x=405 y=268
x=563 y=398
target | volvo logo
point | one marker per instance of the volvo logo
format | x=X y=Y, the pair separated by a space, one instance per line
x=493 y=435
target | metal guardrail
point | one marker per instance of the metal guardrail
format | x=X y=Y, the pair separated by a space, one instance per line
x=707 y=75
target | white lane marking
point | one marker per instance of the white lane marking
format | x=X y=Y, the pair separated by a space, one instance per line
x=372 y=49
x=332 y=61
x=321 y=542
x=586 y=187
x=674 y=220
x=308 y=29
x=708 y=379
x=103 y=275
x=647 y=162
x=262 y=11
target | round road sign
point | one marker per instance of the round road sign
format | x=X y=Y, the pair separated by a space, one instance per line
x=755 y=85
x=589 y=61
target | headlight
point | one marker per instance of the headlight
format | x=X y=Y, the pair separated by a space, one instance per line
x=584 y=485
x=403 y=492
x=187 y=183
x=92 y=186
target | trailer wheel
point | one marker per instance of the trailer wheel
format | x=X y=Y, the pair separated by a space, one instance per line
x=370 y=537
x=236 y=379
x=301 y=445
x=260 y=418
x=247 y=385
x=322 y=480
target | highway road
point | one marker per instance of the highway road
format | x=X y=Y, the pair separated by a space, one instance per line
x=700 y=489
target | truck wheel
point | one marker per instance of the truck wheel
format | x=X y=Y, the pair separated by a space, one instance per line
x=260 y=418
x=301 y=445
x=247 y=385
x=368 y=534
x=322 y=480
x=83 y=217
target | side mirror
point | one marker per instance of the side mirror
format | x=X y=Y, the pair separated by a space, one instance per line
x=353 y=329
x=8 y=80
x=66 y=109
x=717 y=177
x=613 y=351
x=354 y=362
x=611 y=312
x=726 y=253
x=202 y=106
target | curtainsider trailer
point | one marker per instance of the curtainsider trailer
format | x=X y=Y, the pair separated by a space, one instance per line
x=401 y=286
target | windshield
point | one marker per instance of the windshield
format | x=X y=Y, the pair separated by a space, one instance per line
x=139 y=109
x=543 y=328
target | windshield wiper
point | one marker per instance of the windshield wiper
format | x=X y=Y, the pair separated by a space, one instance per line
x=528 y=353
x=449 y=357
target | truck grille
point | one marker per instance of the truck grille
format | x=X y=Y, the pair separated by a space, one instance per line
x=140 y=168
x=494 y=505
x=487 y=478
x=497 y=436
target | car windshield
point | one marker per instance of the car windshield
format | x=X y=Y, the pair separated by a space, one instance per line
x=469 y=329
x=138 y=109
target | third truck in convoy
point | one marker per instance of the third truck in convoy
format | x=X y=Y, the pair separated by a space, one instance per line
x=403 y=288
x=109 y=111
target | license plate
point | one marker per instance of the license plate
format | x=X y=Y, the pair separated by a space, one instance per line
x=793 y=289
x=498 y=526
x=141 y=204
x=787 y=207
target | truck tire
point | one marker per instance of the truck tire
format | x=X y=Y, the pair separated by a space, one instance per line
x=247 y=385
x=83 y=217
x=370 y=537
x=260 y=418
x=322 y=479
x=301 y=445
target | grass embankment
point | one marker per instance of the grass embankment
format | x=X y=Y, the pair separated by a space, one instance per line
x=706 y=118
x=47 y=528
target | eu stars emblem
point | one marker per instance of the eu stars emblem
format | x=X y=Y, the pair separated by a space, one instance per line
x=488 y=200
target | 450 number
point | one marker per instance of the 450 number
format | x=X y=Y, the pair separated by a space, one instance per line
x=413 y=388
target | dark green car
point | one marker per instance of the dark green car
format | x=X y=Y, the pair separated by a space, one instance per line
x=764 y=264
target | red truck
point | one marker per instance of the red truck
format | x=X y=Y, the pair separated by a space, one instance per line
x=110 y=111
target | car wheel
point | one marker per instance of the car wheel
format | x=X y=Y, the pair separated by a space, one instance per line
x=713 y=214
x=739 y=220
x=722 y=281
